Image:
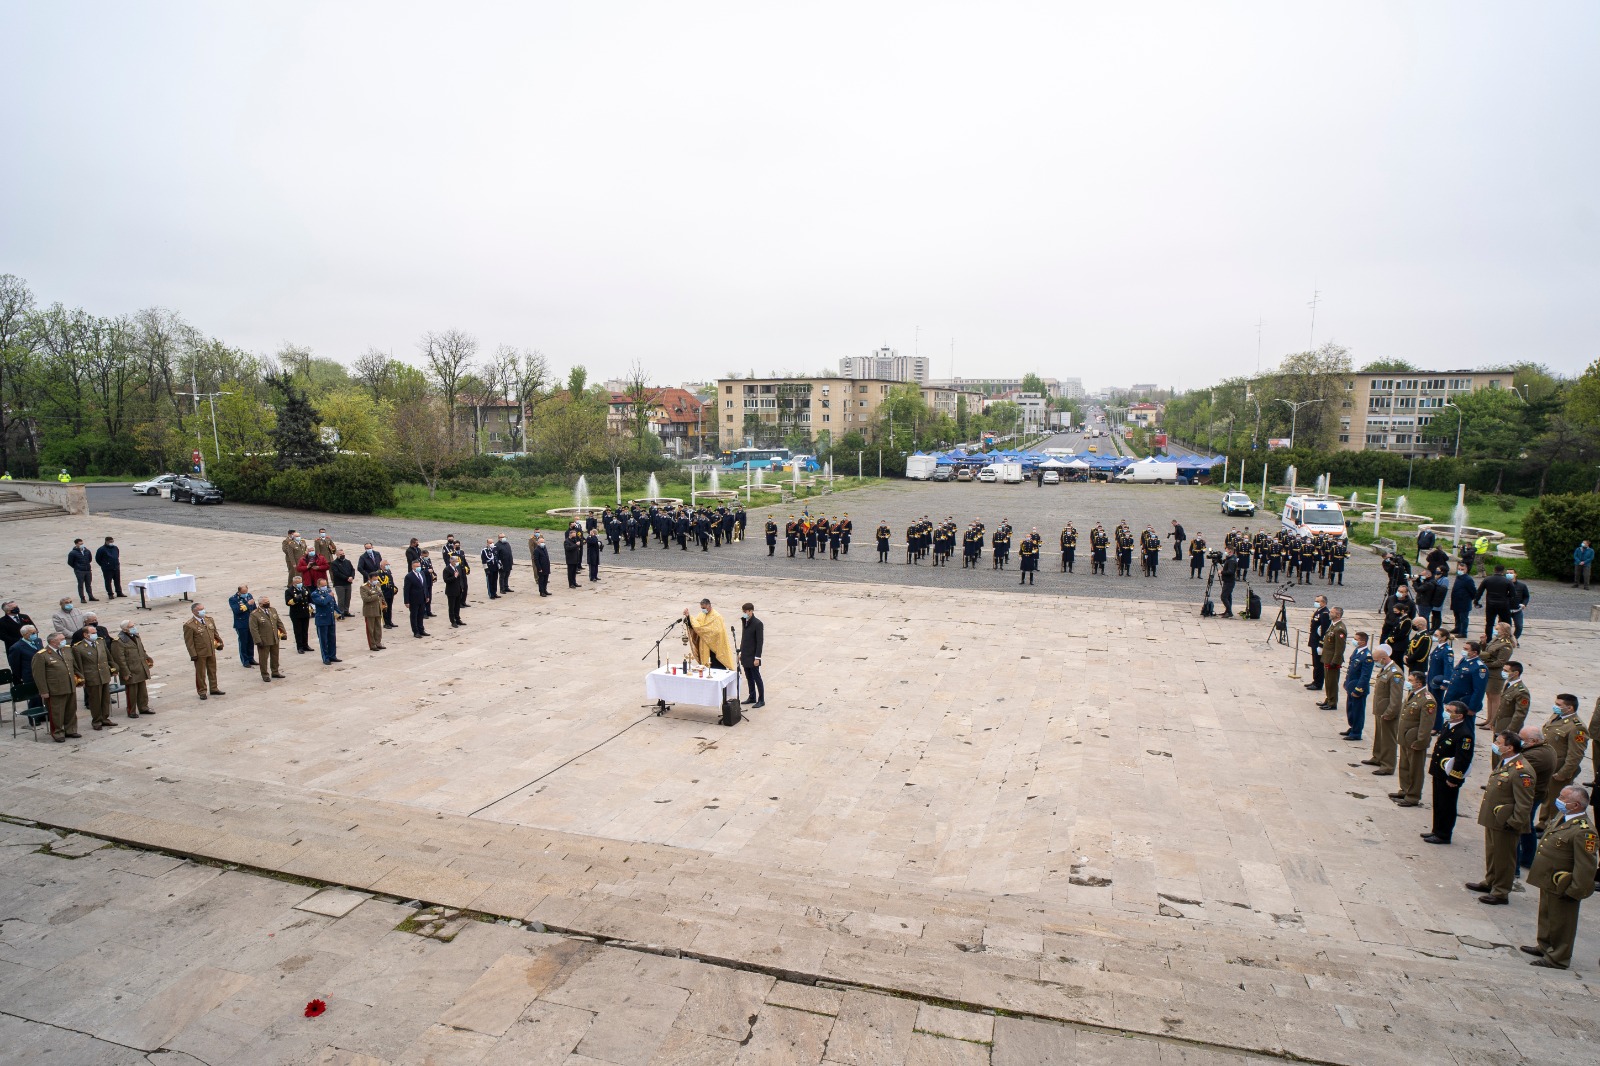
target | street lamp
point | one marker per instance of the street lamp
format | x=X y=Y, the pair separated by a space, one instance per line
x=1459 y=417
x=1294 y=413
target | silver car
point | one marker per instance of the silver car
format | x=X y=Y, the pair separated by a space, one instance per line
x=154 y=486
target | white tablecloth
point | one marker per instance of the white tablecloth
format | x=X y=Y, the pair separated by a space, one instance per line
x=708 y=691
x=165 y=585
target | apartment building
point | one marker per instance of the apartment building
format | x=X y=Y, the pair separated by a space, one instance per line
x=947 y=401
x=992 y=386
x=1389 y=411
x=1146 y=414
x=495 y=428
x=885 y=364
x=768 y=410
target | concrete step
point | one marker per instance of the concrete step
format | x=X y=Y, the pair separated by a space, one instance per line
x=19 y=510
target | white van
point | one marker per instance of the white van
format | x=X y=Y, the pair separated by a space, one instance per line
x=1303 y=515
x=921 y=467
x=1149 y=472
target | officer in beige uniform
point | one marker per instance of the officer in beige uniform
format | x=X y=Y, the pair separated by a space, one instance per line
x=1388 y=696
x=1507 y=805
x=56 y=678
x=294 y=549
x=1332 y=658
x=1566 y=737
x=91 y=658
x=1510 y=713
x=201 y=639
x=1563 y=872
x=267 y=634
x=325 y=545
x=1416 y=726
x=372 y=612
x=133 y=665
x=1495 y=654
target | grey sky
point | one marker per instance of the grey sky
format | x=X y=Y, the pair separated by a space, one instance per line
x=1105 y=191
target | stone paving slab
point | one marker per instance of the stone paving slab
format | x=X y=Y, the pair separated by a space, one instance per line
x=933 y=816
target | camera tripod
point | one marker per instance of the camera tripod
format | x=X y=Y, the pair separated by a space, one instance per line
x=1280 y=625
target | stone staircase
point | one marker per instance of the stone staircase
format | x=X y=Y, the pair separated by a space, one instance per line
x=1241 y=980
x=13 y=508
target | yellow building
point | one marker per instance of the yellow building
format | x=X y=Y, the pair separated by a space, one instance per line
x=766 y=411
x=1389 y=411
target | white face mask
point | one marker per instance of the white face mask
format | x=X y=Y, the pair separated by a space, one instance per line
x=200 y=614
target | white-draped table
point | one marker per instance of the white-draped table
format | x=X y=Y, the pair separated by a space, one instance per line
x=162 y=585
x=709 y=691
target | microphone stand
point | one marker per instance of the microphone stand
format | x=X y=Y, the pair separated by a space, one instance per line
x=664 y=635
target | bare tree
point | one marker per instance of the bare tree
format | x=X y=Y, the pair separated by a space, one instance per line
x=449 y=355
x=423 y=438
x=524 y=386
x=642 y=402
x=66 y=376
x=373 y=371
x=112 y=371
x=480 y=389
x=162 y=339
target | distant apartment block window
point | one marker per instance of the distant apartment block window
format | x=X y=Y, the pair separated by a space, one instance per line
x=826 y=417
x=1460 y=384
x=1434 y=384
x=1377 y=438
x=730 y=403
x=1344 y=438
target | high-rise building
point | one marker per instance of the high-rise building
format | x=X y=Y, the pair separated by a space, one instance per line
x=1071 y=388
x=885 y=364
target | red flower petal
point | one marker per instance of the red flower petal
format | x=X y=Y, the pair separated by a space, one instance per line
x=315 y=1007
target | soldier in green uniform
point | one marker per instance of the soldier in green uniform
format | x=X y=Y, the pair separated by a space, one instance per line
x=1563 y=872
x=56 y=678
x=1416 y=726
x=1332 y=655
x=1507 y=805
x=1511 y=712
x=91 y=658
x=267 y=634
x=1388 y=697
x=1495 y=654
x=133 y=665
x=1566 y=737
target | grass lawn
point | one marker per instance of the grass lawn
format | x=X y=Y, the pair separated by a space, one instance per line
x=529 y=512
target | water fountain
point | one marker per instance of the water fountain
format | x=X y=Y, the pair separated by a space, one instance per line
x=652 y=495
x=1292 y=474
x=581 y=506
x=1458 y=517
x=716 y=480
x=653 y=488
x=1459 y=532
x=761 y=477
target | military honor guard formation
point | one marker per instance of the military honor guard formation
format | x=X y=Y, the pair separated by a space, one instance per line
x=1429 y=687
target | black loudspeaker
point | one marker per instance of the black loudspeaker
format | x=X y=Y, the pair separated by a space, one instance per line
x=1253 y=605
x=731 y=715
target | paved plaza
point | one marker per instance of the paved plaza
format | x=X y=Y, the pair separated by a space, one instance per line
x=967 y=827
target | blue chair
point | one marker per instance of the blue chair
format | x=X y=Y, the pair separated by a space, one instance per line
x=21 y=692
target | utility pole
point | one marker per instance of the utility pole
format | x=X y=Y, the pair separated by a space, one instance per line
x=211 y=401
x=1460 y=415
x=1316 y=298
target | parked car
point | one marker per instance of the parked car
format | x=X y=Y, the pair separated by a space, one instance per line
x=1237 y=503
x=988 y=474
x=941 y=473
x=964 y=473
x=195 y=490
x=1052 y=477
x=154 y=486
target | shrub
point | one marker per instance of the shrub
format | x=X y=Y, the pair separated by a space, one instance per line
x=291 y=488
x=352 y=484
x=245 y=480
x=1555 y=525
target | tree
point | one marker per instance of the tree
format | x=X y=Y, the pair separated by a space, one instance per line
x=1317 y=380
x=361 y=425
x=449 y=356
x=297 y=436
x=17 y=347
x=1556 y=525
x=527 y=376
x=373 y=371
x=571 y=427
x=1389 y=366
x=423 y=440
x=642 y=403
x=1032 y=382
x=244 y=422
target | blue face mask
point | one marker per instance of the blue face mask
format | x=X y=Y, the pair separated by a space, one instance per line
x=1561 y=808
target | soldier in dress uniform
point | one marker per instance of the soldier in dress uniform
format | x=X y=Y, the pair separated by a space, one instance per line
x=846 y=527
x=55 y=675
x=1338 y=552
x=1069 y=547
x=133 y=665
x=1566 y=737
x=267 y=634
x=372 y=607
x=1028 y=554
x=202 y=642
x=1510 y=712
x=771 y=531
x=294 y=549
x=791 y=535
x=1150 y=543
x=298 y=599
x=1274 y=559
x=1124 y=539
x=882 y=535
x=1197 y=555
x=1495 y=654
x=1416 y=726
x=835 y=538
x=1563 y=872
x=1001 y=543
x=1388 y=696
x=91 y=658
x=1098 y=542
x=1507 y=805
x=1452 y=755
x=1244 y=546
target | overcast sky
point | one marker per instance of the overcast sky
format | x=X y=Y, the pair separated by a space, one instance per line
x=1105 y=191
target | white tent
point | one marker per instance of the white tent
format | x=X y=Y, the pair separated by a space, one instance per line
x=1052 y=464
x=1076 y=464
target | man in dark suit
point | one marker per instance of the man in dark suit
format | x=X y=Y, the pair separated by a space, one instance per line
x=573 y=549
x=750 y=642
x=416 y=598
x=369 y=562
x=591 y=547
x=80 y=560
x=490 y=558
x=11 y=622
x=455 y=587
x=1495 y=596
x=541 y=564
x=108 y=557
x=502 y=548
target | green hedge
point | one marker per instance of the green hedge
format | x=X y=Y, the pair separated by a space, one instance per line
x=1556 y=525
x=351 y=484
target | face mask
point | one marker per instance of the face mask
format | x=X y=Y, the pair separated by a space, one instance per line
x=200 y=614
x=1561 y=807
x=15 y=610
x=1557 y=709
x=1408 y=686
x=134 y=631
x=66 y=606
x=92 y=636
